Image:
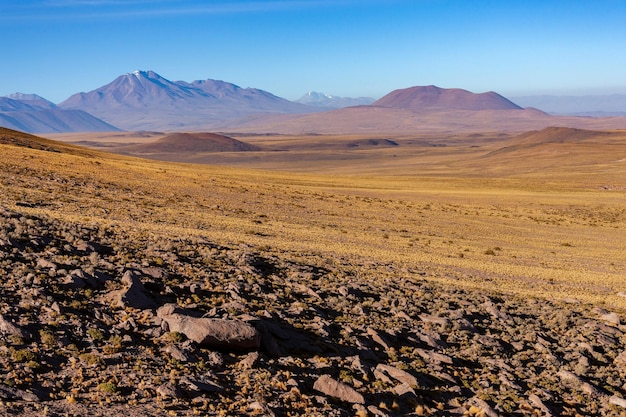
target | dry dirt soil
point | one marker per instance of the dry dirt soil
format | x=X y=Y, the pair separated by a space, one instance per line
x=461 y=274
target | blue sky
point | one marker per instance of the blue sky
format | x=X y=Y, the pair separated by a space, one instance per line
x=343 y=47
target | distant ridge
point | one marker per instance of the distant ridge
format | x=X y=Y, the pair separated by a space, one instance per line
x=34 y=114
x=589 y=105
x=314 y=98
x=422 y=98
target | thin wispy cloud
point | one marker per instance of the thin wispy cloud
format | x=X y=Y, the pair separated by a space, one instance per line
x=112 y=9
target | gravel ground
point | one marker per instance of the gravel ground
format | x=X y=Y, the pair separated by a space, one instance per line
x=91 y=326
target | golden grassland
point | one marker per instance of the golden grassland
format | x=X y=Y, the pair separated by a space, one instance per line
x=459 y=214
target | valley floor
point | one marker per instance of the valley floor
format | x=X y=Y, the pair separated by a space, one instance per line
x=428 y=285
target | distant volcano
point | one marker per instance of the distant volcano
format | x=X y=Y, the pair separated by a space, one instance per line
x=144 y=100
x=424 y=98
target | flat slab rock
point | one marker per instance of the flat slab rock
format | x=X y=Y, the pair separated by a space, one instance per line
x=210 y=332
x=327 y=385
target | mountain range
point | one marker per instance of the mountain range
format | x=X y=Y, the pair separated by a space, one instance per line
x=146 y=101
x=143 y=100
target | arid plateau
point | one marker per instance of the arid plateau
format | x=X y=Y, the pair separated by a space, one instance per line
x=460 y=272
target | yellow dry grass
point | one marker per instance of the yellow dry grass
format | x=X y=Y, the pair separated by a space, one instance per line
x=554 y=232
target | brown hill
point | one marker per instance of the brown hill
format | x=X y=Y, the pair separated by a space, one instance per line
x=554 y=148
x=430 y=97
x=25 y=140
x=190 y=143
x=559 y=136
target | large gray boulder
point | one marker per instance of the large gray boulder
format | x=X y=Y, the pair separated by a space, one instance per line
x=333 y=388
x=216 y=333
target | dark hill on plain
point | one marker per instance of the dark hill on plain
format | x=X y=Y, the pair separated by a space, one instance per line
x=423 y=98
x=177 y=143
x=372 y=143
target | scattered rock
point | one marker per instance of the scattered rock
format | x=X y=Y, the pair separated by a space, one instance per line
x=611 y=318
x=536 y=402
x=434 y=356
x=14 y=394
x=484 y=407
x=250 y=360
x=8 y=328
x=618 y=401
x=177 y=353
x=378 y=338
x=133 y=295
x=200 y=386
x=169 y=390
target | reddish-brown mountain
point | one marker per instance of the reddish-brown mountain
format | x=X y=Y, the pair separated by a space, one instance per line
x=434 y=98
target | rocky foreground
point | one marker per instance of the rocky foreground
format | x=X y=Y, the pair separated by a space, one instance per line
x=108 y=320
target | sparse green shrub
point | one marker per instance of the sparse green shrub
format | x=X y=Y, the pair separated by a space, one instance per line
x=175 y=337
x=345 y=376
x=91 y=359
x=48 y=338
x=114 y=344
x=108 y=387
x=96 y=335
x=22 y=355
